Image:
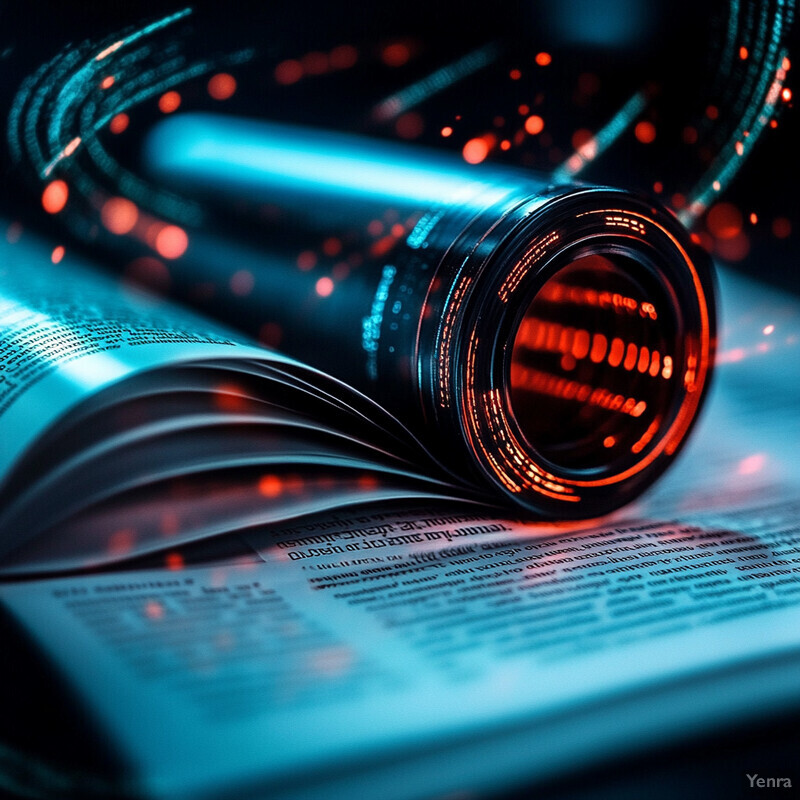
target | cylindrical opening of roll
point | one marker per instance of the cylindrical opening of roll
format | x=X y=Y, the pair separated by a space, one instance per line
x=594 y=364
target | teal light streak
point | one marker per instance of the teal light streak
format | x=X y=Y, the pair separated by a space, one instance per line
x=602 y=140
x=434 y=83
x=715 y=182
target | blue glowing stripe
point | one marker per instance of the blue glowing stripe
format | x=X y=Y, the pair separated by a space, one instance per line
x=269 y=160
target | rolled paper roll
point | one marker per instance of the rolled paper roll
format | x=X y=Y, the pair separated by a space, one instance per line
x=555 y=341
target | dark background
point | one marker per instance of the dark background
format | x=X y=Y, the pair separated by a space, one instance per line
x=602 y=52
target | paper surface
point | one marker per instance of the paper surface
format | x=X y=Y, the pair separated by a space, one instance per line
x=109 y=398
x=438 y=650
x=357 y=640
x=60 y=341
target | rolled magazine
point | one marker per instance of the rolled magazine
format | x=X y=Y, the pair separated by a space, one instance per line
x=476 y=335
x=553 y=341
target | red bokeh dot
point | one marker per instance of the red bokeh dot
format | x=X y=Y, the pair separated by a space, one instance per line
x=645 y=131
x=169 y=102
x=396 y=54
x=54 y=196
x=150 y=272
x=171 y=241
x=475 y=150
x=343 y=57
x=288 y=72
x=270 y=334
x=221 y=86
x=324 y=287
x=409 y=125
x=119 y=123
x=724 y=221
x=781 y=228
x=534 y=124
x=306 y=260
x=119 y=215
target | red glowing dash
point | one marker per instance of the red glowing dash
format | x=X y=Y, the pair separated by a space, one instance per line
x=57 y=254
x=109 y=50
x=169 y=102
x=324 y=287
x=515 y=74
x=119 y=123
x=543 y=59
x=447 y=131
x=107 y=82
x=753 y=218
x=743 y=53
x=221 y=86
x=119 y=215
x=54 y=196
x=71 y=147
x=609 y=441
x=171 y=242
